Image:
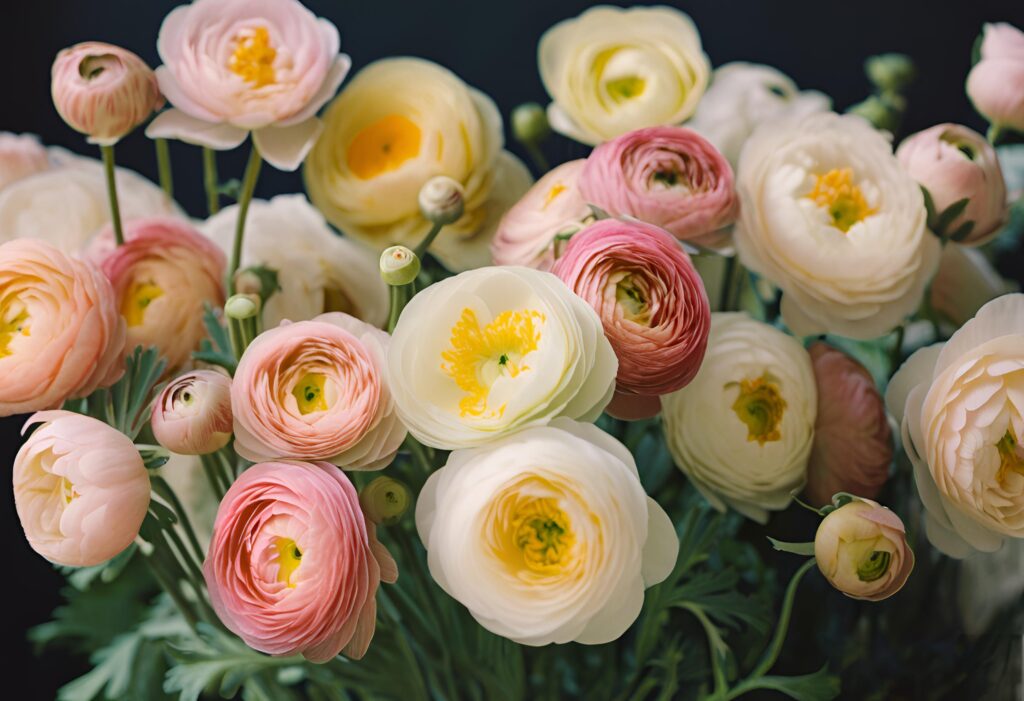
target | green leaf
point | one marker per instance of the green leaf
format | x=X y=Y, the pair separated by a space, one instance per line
x=820 y=686
x=795 y=548
x=962 y=232
x=929 y=206
x=949 y=214
x=230 y=189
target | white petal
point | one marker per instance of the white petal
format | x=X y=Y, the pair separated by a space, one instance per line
x=339 y=69
x=917 y=369
x=286 y=148
x=662 y=547
x=175 y=124
x=563 y=124
x=1003 y=316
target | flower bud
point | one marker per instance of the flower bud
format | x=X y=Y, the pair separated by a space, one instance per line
x=384 y=500
x=530 y=123
x=259 y=281
x=442 y=200
x=890 y=72
x=192 y=415
x=21 y=155
x=883 y=111
x=103 y=91
x=996 y=83
x=242 y=306
x=399 y=266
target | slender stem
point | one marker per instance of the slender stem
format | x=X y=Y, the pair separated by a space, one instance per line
x=897 y=347
x=537 y=156
x=214 y=475
x=419 y=454
x=211 y=181
x=252 y=173
x=171 y=587
x=771 y=654
x=714 y=643
x=421 y=249
x=238 y=344
x=730 y=273
x=162 y=488
x=995 y=134
x=115 y=209
x=163 y=163
x=399 y=297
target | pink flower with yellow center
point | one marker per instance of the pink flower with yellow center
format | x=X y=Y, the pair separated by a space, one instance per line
x=192 y=415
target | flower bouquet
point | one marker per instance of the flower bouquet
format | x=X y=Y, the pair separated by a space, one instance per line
x=605 y=435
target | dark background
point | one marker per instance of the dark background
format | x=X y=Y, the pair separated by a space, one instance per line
x=492 y=45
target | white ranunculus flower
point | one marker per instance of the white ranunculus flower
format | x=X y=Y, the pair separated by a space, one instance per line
x=318 y=271
x=742 y=430
x=961 y=406
x=743 y=96
x=493 y=350
x=613 y=70
x=828 y=215
x=546 y=536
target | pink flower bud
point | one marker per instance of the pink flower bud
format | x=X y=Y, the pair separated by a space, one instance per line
x=996 y=83
x=192 y=415
x=21 y=155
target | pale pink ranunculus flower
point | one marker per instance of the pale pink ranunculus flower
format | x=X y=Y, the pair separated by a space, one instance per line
x=294 y=565
x=652 y=305
x=996 y=82
x=192 y=415
x=103 y=91
x=530 y=233
x=80 y=488
x=21 y=155
x=671 y=177
x=235 y=66
x=317 y=390
x=60 y=334
x=853 y=445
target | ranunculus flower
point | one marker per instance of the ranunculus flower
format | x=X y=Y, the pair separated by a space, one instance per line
x=192 y=415
x=533 y=231
x=954 y=163
x=852 y=447
x=961 y=406
x=546 y=536
x=103 y=91
x=612 y=70
x=235 y=66
x=80 y=489
x=317 y=270
x=651 y=302
x=742 y=430
x=396 y=125
x=21 y=155
x=996 y=82
x=964 y=283
x=829 y=216
x=490 y=351
x=862 y=550
x=671 y=177
x=60 y=334
x=316 y=390
x=294 y=565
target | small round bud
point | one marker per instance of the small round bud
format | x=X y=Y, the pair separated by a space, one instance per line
x=242 y=306
x=442 y=200
x=192 y=415
x=890 y=72
x=530 y=123
x=883 y=112
x=384 y=500
x=248 y=282
x=399 y=266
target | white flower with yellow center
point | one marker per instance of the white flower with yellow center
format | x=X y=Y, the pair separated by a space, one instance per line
x=961 y=405
x=494 y=350
x=742 y=430
x=829 y=216
x=546 y=536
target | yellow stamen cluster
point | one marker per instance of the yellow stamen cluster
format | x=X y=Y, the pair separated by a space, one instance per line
x=1011 y=457
x=384 y=146
x=529 y=530
x=760 y=406
x=140 y=296
x=289 y=557
x=309 y=393
x=254 y=57
x=13 y=322
x=844 y=201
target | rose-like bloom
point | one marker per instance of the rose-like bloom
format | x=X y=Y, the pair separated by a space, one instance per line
x=235 y=66
x=953 y=163
x=964 y=283
x=852 y=447
x=80 y=489
x=534 y=229
x=21 y=155
x=546 y=536
x=60 y=334
x=103 y=91
x=396 y=125
x=316 y=390
x=742 y=430
x=490 y=351
x=996 y=83
x=742 y=96
x=612 y=70
x=862 y=550
x=651 y=302
x=829 y=215
x=192 y=415
x=668 y=176
x=294 y=565
x=317 y=270
x=961 y=407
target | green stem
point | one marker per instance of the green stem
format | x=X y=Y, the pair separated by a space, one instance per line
x=896 y=354
x=211 y=181
x=771 y=654
x=419 y=454
x=213 y=472
x=252 y=173
x=170 y=586
x=163 y=163
x=164 y=490
x=537 y=156
x=421 y=249
x=399 y=297
x=115 y=209
x=995 y=134
x=714 y=641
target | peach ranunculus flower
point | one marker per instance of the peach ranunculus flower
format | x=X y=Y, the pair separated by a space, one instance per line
x=60 y=334
x=316 y=390
x=294 y=565
x=192 y=415
x=21 y=155
x=80 y=488
x=652 y=305
x=235 y=66
x=996 y=83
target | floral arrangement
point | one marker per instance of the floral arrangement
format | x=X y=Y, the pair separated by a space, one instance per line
x=509 y=439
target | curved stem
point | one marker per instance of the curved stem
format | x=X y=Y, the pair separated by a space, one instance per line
x=252 y=173
x=162 y=488
x=537 y=156
x=163 y=163
x=115 y=209
x=210 y=180
x=771 y=653
x=421 y=249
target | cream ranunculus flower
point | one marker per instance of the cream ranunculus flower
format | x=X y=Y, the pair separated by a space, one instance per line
x=494 y=350
x=961 y=405
x=546 y=536
x=829 y=216
x=396 y=125
x=613 y=70
x=743 y=429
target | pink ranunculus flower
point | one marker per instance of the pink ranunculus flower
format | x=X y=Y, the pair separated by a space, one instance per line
x=652 y=305
x=996 y=83
x=671 y=177
x=316 y=390
x=235 y=66
x=21 y=155
x=853 y=446
x=60 y=334
x=294 y=564
x=103 y=91
x=530 y=233
x=192 y=415
x=80 y=488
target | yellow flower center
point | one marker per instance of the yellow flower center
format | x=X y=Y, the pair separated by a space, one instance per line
x=531 y=532
x=253 y=58
x=633 y=301
x=138 y=299
x=289 y=557
x=760 y=406
x=68 y=490
x=553 y=193
x=309 y=393
x=384 y=146
x=13 y=322
x=844 y=201
x=478 y=356
x=1011 y=457
x=625 y=88
x=872 y=559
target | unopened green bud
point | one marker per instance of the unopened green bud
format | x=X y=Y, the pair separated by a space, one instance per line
x=890 y=72
x=442 y=200
x=257 y=280
x=399 y=266
x=884 y=112
x=242 y=306
x=530 y=123
x=384 y=500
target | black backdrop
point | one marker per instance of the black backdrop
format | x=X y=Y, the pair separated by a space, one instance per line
x=492 y=45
